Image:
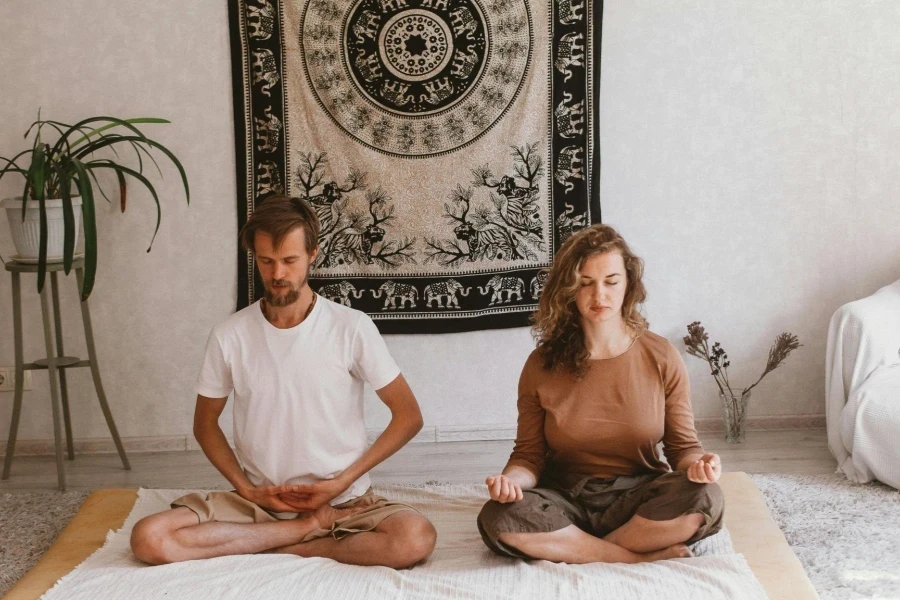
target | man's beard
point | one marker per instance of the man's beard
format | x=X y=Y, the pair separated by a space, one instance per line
x=284 y=296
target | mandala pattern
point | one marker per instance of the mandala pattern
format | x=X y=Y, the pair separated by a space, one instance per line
x=416 y=78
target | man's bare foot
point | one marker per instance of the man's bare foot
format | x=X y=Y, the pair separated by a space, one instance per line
x=326 y=515
x=676 y=551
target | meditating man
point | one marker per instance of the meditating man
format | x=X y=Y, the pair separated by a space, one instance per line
x=297 y=364
x=585 y=482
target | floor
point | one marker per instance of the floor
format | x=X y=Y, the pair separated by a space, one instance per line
x=792 y=451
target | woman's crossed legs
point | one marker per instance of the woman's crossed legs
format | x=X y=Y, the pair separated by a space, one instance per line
x=652 y=521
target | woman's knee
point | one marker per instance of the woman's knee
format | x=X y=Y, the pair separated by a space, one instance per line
x=707 y=506
x=494 y=516
x=711 y=500
x=706 y=494
x=494 y=520
x=534 y=513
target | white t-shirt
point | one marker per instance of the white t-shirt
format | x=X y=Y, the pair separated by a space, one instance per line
x=298 y=392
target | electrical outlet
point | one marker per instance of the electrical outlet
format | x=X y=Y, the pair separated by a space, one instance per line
x=8 y=380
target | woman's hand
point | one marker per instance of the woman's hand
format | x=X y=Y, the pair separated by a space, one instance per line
x=707 y=469
x=502 y=489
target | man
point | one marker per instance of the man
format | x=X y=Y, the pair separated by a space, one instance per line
x=296 y=363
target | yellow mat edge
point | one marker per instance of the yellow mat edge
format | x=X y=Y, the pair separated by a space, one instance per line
x=755 y=534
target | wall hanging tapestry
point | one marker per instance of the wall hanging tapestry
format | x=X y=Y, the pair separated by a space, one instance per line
x=448 y=147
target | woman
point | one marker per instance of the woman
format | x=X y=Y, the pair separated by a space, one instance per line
x=585 y=482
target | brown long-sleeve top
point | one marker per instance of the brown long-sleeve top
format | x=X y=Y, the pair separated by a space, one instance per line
x=609 y=422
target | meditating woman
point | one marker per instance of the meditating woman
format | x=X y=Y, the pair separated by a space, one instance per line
x=585 y=482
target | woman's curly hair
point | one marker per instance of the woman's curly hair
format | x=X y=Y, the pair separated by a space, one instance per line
x=557 y=322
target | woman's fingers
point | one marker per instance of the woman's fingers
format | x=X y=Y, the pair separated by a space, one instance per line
x=710 y=472
x=696 y=473
x=495 y=487
x=705 y=472
x=513 y=493
x=502 y=489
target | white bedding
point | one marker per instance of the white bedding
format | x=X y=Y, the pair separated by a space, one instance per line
x=461 y=567
x=862 y=405
x=870 y=428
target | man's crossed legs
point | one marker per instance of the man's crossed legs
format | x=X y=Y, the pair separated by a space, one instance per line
x=368 y=530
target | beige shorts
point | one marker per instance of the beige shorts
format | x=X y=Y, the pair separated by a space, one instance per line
x=230 y=507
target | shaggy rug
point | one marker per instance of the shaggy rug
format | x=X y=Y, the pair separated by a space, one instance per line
x=846 y=536
x=28 y=525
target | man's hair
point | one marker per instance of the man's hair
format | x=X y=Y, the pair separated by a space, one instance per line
x=277 y=216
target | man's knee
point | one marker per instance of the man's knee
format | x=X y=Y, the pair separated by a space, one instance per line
x=148 y=541
x=412 y=542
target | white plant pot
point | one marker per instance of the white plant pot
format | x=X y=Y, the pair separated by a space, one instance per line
x=26 y=234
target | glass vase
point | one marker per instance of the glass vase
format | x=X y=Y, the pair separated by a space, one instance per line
x=734 y=407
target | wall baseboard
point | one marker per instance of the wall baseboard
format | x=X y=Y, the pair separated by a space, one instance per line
x=431 y=434
x=771 y=423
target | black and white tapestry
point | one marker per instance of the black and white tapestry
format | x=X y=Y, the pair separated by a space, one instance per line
x=448 y=147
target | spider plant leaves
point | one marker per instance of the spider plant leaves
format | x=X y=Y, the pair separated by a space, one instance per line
x=112 y=122
x=11 y=164
x=150 y=156
x=34 y=180
x=123 y=189
x=65 y=189
x=122 y=171
x=100 y=187
x=89 y=218
x=129 y=123
x=42 y=246
x=109 y=140
x=68 y=167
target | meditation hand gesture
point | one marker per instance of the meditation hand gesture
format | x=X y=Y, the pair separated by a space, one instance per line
x=310 y=496
x=707 y=469
x=269 y=497
x=503 y=489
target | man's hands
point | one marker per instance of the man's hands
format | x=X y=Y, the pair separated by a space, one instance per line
x=270 y=497
x=310 y=496
x=503 y=489
x=294 y=498
x=707 y=469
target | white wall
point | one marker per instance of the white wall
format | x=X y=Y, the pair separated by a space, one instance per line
x=750 y=155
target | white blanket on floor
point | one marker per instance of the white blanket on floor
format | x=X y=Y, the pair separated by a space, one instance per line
x=863 y=411
x=460 y=567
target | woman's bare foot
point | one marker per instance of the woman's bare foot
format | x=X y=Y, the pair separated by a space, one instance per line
x=675 y=551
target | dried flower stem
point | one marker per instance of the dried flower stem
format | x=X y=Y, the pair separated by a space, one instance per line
x=697 y=342
x=778 y=353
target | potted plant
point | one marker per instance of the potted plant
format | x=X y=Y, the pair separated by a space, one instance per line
x=734 y=401
x=62 y=176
